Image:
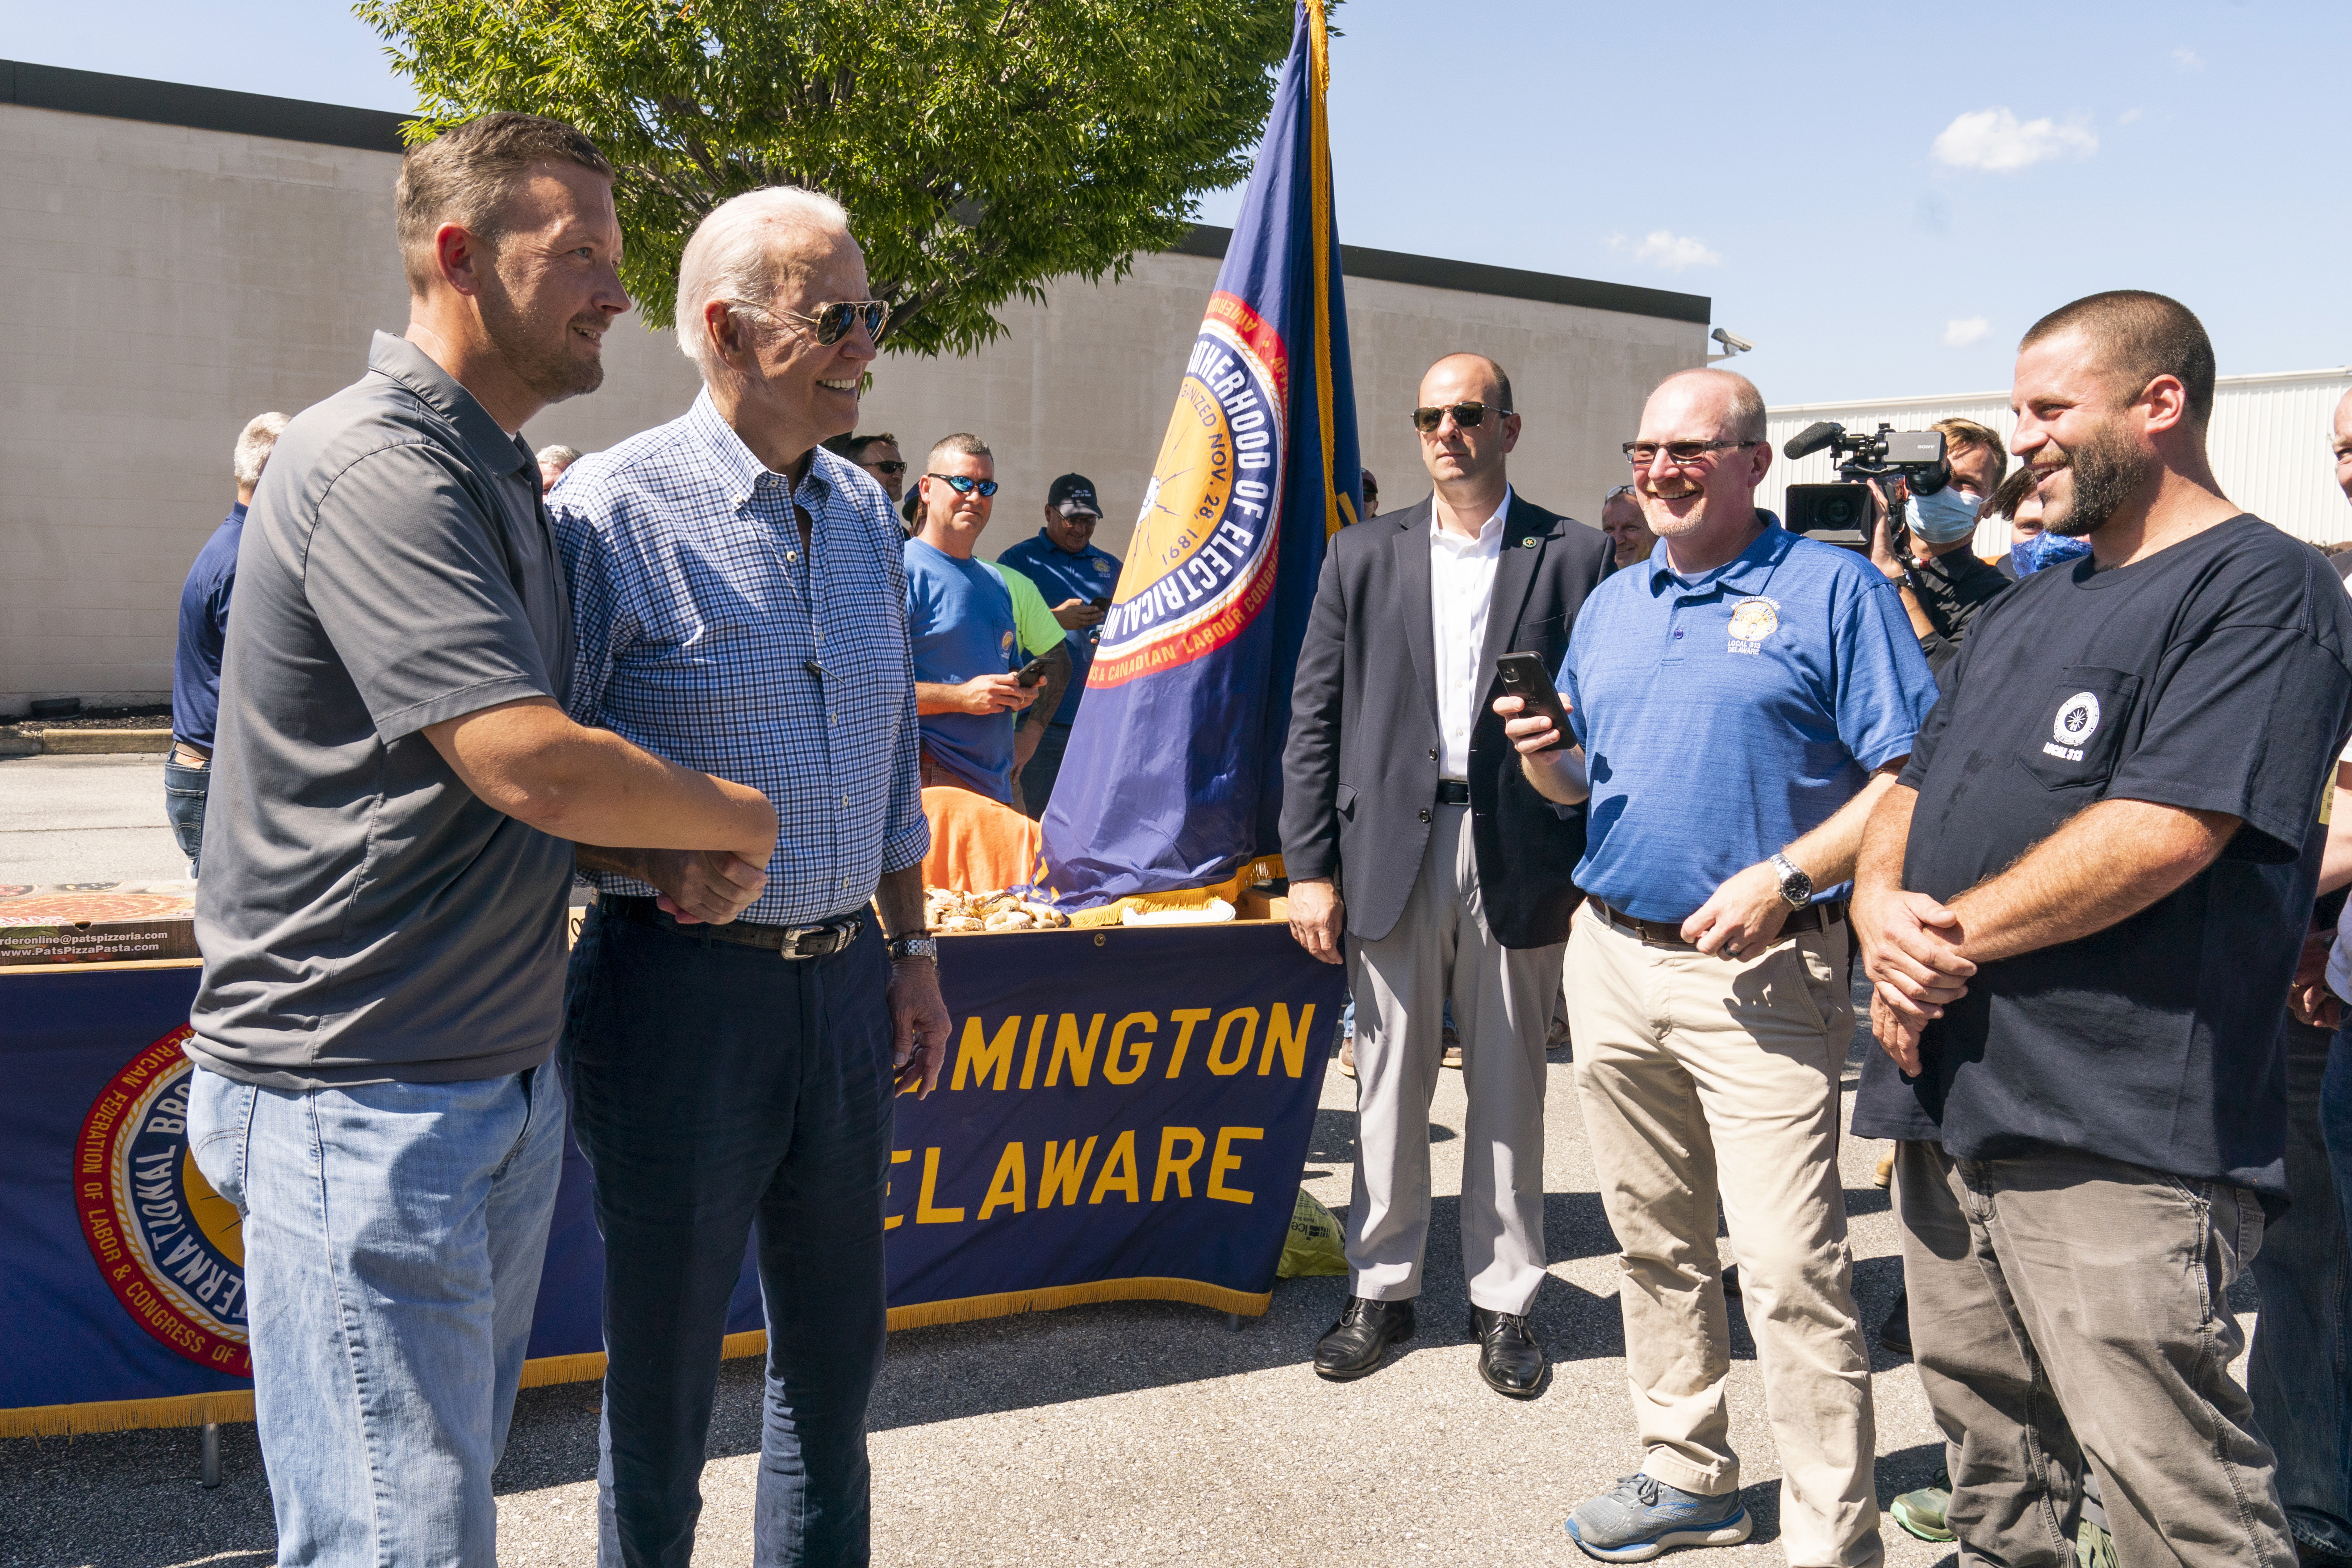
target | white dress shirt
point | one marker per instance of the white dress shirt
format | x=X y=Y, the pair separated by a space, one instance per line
x=1461 y=582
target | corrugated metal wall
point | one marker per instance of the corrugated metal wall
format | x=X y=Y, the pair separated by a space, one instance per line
x=2270 y=442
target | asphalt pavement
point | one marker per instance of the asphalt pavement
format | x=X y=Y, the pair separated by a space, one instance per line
x=85 y=819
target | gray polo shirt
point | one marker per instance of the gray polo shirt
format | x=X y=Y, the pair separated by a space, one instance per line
x=365 y=918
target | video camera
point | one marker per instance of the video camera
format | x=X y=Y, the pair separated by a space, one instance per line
x=1840 y=514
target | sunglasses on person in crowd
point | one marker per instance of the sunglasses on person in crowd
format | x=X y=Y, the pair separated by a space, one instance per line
x=1466 y=416
x=1682 y=454
x=893 y=467
x=831 y=323
x=962 y=485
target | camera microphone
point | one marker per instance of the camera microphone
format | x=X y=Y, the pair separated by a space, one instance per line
x=1811 y=440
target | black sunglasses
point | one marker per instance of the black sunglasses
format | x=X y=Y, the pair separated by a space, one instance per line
x=1682 y=453
x=832 y=323
x=1466 y=416
x=962 y=485
x=894 y=468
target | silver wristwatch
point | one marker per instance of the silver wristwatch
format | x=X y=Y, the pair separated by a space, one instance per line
x=926 y=947
x=1795 y=884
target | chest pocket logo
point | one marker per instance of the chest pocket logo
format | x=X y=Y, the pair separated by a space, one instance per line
x=2077 y=721
x=1752 y=620
x=2088 y=710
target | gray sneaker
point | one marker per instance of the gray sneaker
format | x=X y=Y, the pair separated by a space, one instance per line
x=1644 y=1516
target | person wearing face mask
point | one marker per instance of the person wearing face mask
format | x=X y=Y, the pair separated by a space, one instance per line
x=1926 y=555
x=2030 y=549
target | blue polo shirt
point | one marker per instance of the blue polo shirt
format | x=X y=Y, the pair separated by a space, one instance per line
x=1089 y=574
x=204 y=633
x=1727 y=715
x=960 y=624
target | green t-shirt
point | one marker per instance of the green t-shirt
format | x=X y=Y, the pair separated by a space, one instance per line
x=1040 y=632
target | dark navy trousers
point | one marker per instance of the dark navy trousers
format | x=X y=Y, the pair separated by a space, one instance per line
x=721 y=1092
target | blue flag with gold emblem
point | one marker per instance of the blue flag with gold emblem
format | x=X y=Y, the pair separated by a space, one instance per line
x=1173 y=775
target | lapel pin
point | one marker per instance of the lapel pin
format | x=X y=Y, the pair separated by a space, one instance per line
x=1530 y=543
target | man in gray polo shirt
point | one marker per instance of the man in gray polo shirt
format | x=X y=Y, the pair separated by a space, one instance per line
x=396 y=792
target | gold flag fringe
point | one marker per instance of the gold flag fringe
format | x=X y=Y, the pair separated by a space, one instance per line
x=196 y=1409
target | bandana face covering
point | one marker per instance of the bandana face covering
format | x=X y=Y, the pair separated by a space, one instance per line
x=2043 y=550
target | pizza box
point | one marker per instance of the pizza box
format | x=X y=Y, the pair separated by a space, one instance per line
x=96 y=922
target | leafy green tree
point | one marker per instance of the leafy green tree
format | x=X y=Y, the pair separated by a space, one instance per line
x=981 y=146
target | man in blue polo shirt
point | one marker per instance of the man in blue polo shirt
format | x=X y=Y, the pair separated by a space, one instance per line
x=1742 y=699
x=203 y=634
x=961 y=625
x=1074 y=576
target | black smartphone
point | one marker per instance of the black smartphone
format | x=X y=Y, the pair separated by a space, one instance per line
x=1100 y=601
x=1523 y=676
x=1033 y=671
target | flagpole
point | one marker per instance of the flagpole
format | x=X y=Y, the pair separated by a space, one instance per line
x=1335 y=502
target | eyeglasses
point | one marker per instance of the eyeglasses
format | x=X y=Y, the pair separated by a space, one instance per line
x=962 y=485
x=1681 y=454
x=892 y=469
x=832 y=323
x=1466 y=416
x=1619 y=490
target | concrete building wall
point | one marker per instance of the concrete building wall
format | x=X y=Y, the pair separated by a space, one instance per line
x=161 y=284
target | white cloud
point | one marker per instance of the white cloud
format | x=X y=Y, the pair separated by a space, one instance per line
x=2128 y=117
x=1996 y=140
x=2187 y=60
x=1662 y=248
x=1961 y=332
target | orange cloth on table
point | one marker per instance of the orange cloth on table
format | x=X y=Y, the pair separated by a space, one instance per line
x=977 y=846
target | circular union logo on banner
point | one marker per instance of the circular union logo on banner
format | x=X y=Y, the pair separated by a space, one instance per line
x=169 y=1246
x=1201 y=562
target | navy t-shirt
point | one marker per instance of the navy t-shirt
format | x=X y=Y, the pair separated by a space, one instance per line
x=1089 y=574
x=2212 y=676
x=204 y=633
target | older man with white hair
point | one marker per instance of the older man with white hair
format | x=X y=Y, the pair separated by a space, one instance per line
x=738 y=594
x=204 y=636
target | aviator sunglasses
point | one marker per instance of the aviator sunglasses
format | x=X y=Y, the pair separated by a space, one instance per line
x=831 y=323
x=962 y=485
x=1466 y=416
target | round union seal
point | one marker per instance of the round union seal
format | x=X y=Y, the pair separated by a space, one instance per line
x=169 y=1246
x=1753 y=620
x=2077 y=720
x=1200 y=564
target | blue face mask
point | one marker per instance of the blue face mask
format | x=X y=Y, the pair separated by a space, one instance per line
x=1945 y=518
x=2031 y=555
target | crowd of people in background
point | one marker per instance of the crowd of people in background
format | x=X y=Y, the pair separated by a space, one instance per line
x=2081 y=815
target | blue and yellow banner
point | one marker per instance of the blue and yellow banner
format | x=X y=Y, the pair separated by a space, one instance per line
x=1173 y=775
x=1124 y=1114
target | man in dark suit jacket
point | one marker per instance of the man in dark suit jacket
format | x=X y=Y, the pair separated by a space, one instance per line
x=1406 y=821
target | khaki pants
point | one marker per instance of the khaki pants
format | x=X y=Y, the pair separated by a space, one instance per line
x=1706 y=1079
x=2067 y=1307
x=1502 y=998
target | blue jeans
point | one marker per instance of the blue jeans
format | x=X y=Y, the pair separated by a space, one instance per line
x=722 y=1094
x=2297 y=1371
x=184 y=804
x=392 y=1240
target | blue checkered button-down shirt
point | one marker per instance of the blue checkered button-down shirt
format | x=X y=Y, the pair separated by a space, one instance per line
x=708 y=635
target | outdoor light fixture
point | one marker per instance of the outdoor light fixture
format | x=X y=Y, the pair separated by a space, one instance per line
x=1733 y=343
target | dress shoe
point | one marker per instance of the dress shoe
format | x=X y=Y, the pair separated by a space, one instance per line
x=1354 y=1346
x=1895 y=1332
x=1509 y=1357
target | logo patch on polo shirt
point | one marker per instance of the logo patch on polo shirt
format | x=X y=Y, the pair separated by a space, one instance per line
x=1752 y=620
x=2077 y=721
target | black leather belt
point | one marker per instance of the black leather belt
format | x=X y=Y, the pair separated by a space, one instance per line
x=1453 y=792
x=1812 y=917
x=820 y=941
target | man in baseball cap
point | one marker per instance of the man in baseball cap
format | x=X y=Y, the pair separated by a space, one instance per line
x=1066 y=567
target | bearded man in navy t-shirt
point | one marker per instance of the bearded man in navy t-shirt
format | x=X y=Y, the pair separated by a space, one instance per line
x=2081 y=906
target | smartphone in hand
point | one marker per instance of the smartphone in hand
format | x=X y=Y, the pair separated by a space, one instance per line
x=1033 y=671
x=1525 y=677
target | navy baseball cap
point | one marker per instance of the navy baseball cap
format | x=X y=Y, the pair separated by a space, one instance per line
x=1072 y=495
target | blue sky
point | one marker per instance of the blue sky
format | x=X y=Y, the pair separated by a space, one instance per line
x=1881 y=202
